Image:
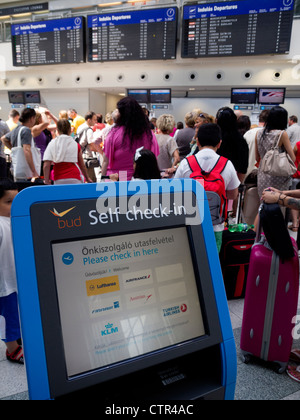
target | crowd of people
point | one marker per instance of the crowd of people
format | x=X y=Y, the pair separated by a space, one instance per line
x=76 y=149
x=130 y=145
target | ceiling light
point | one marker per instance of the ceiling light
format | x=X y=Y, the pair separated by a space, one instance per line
x=22 y=15
x=110 y=4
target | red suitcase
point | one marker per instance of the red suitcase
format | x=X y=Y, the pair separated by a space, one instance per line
x=235 y=256
x=270 y=305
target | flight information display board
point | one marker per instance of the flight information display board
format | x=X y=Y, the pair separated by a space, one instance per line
x=237 y=28
x=149 y=34
x=58 y=41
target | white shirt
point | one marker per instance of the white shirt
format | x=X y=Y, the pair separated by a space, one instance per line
x=86 y=137
x=207 y=159
x=250 y=139
x=8 y=281
x=293 y=132
x=62 y=149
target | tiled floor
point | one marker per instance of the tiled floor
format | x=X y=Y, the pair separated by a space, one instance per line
x=255 y=381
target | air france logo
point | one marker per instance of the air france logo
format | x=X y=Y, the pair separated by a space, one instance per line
x=66 y=223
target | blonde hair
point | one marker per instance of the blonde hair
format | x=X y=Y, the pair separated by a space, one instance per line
x=209 y=119
x=63 y=115
x=190 y=119
x=37 y=117
x=108 y=118
x=166 y=123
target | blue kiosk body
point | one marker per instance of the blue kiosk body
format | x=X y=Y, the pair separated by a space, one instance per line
x=121 y=283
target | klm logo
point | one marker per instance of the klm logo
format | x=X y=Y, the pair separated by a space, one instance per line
x=109 y=330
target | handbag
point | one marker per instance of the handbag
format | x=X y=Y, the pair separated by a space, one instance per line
x=277 y=163
x=20 y=167
x=92 y=163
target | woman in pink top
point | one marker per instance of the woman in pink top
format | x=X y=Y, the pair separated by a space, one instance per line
x=131 y=131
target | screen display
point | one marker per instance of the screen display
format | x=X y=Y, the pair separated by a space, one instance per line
x=160 y=96
x=58 y=41
x=243 y=96
x=125 y=296
x=237 y=28
x=149 y=34
x=16 y=97
x=271 y=96
x=140 y=95
x=32 y=97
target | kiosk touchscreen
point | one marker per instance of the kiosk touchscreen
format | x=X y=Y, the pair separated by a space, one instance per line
x=120 y=283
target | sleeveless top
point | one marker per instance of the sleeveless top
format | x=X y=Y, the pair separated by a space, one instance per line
x=265 y=180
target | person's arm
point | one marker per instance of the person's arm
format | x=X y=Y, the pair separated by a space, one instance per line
x=53 y=117
x=241 y=177
x=289 y=193
x=176 y=158
x=39 y=128
x=83 y=167
x=285 y=141
x=29 y=160
x=257 y=156
x=271 y=197
x=6 y=142
x=104 y=165
x=46 y=169
x=232 y=194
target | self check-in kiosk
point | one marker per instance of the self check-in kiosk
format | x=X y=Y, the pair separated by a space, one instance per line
x=120 y=283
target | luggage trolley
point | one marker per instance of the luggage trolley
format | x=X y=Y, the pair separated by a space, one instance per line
x=119 y=283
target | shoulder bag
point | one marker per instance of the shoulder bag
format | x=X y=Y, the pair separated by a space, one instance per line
x=277 y=163
x=20 y=167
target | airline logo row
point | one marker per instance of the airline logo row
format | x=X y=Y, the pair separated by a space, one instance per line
x=101 y=286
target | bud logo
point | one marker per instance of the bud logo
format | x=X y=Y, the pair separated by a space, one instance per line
x=68 y=223
x=109 y=330
x=55 y=212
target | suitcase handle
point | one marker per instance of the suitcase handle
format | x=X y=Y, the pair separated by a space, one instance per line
x=259 y=227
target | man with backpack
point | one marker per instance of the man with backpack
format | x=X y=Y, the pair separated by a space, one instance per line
x=216 y=173
x=85 y=137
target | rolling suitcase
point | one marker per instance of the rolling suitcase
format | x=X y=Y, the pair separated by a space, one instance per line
x=235 y=257
x=270 y=304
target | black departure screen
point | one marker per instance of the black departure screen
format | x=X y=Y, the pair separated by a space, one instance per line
x=237 y=28
x=58 y=41
x=149 y=34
